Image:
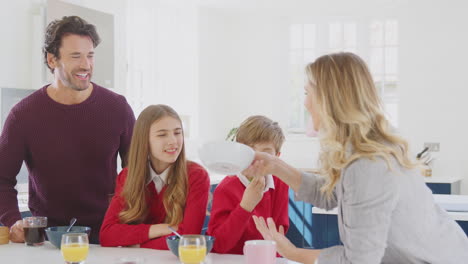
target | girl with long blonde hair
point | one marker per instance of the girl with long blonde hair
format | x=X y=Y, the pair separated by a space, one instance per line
x=386 y=213
x=159 y=187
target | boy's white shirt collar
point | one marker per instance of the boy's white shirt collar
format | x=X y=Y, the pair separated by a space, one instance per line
x=158 y=179
x=269 y=183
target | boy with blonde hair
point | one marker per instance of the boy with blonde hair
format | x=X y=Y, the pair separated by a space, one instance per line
x=238 y=197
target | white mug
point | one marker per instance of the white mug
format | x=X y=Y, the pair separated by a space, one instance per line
x=260 y=251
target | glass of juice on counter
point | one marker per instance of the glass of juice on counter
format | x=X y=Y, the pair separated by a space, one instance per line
x=192 y=249
x=74 y=247
x=34 y=230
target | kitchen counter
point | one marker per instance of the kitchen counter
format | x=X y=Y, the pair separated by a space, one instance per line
x=456 y=206
x=46 y=254
x=324 y=226
x=450 y=180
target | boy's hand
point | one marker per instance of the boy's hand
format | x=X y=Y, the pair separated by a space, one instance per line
x=253 y=194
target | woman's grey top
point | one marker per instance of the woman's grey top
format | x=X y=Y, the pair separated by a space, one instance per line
x=386 y=216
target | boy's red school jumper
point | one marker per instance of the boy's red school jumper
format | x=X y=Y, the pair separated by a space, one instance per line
x=231 y=225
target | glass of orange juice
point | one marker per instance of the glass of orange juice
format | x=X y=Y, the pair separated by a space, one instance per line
x=192 y=249
x=74 y=247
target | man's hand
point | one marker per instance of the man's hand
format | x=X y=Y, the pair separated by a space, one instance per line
x=16 y=232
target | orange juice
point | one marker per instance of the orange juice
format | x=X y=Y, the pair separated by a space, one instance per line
x=192 y=254
x=4 y=235
x=74 y=252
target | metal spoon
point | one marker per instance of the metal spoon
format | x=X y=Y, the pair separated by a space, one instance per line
x=72 y=222
x=175 y=232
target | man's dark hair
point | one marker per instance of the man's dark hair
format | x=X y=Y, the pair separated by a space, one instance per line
x=58 y=28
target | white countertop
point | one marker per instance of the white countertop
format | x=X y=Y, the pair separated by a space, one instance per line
x=431 y=179
x=450 y=180
x=457 y=216
x=455 y=204
x=47 y=254
x=316 y=210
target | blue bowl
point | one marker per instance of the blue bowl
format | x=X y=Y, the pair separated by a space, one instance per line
x=173 y=244
x=54 y=233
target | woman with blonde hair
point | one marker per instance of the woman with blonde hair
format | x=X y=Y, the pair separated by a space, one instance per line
x=386 y=213
x=159 y=188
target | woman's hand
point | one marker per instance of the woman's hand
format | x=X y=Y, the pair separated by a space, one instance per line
x=269 y=232
x=265 y=164
x=283 y=245
x=262 y=165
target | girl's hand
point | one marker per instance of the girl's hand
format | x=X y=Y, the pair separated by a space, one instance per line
x=134 y=246
x=159 y=230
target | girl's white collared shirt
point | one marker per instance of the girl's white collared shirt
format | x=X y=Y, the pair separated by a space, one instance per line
x=158 y=179
x=268 y=181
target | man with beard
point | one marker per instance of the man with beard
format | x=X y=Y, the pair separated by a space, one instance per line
x=68 y=133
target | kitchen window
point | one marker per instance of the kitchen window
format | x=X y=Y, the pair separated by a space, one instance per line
x=376 y=41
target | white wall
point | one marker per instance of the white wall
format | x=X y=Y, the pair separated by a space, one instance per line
x=239 y=54
x=21 y=53
x=118 y=9
x=243 y=71
x=434 y=82
x=239 y=78
x=163 y=58
x=15 y=49
x=242 y=66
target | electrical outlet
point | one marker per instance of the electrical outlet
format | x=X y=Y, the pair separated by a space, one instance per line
x=433 y=146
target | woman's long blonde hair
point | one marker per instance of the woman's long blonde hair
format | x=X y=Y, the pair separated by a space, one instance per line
x=352 y=121
x=135 y=193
